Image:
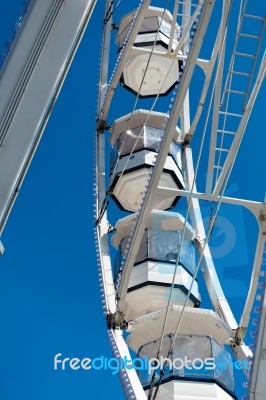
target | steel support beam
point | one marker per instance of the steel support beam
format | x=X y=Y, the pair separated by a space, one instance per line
x=102 y=226
x=213 y=285
x=29 y=86
x=254 y=206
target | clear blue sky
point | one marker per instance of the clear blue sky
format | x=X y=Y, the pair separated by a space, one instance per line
x=49 y=294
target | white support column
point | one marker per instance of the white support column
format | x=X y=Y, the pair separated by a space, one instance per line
x=173 y=27
x=105 y=51
x=185 y=114
x=107 y=273
x=102 y=225
x=212 y=281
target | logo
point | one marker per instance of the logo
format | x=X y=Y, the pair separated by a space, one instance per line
x=143 y=364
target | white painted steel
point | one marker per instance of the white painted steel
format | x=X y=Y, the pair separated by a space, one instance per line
x=27 y=76
x=254 y=206
x=211 y=278
x=102 y=226
x=134 y=384
x=30 y=82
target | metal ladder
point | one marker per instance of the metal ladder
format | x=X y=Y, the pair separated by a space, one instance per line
x=238 y=85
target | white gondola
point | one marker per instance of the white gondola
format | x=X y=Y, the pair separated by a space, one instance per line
x=199 y=367
x=159 y=73
x=136 y=139
x=151 y=277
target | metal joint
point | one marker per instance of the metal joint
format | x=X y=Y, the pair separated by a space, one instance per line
x=262 y=216
x=115 y=27
x=239 y=336
x=115 y=321
x=102 y=126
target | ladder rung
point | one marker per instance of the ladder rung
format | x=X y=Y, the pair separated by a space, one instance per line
x=190 y=4
x=217 y=167
x=244 y=55
x=240 y=73
x=230 y=114
x=226 y=132
x=183 y=15
x=248 y=36
x=235 y=92
x=253 y=16
x=220 y=149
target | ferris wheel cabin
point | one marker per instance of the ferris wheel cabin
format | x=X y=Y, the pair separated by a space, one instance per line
x=151 y=276
x=146 y=74
x=136 y=139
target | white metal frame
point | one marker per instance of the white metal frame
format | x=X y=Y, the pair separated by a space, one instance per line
x=29 y=86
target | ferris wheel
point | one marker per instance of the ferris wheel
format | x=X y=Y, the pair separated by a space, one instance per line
x=179 y=84
x=187 y=88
